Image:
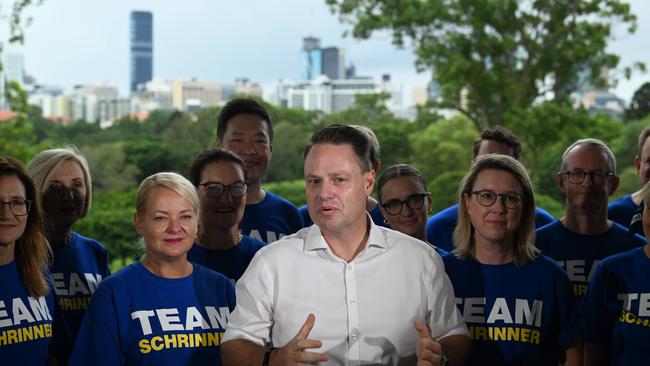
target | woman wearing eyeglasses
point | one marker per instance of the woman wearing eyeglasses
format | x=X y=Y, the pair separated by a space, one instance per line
x=405 y=201
x=517 y=303
x=162 y=310
x=26 y=304
x=220 y=181
x=63 y=179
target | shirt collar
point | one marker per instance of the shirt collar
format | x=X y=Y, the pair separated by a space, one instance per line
x=315 y=239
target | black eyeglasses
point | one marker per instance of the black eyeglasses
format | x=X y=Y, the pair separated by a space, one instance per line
x=18 y=206
x=414 y=202
x=216 y=189
x=578 y=176
x=488 y=198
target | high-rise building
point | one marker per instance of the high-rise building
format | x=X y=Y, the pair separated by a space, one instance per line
x=315 y=61
x=141 y=48
x=15 y=68
x=328 y=95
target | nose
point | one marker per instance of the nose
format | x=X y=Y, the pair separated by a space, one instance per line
x=325 y=190
x=500 y=204
x=588 y=180
x=5 y=210
x=174 y=225
x=248 y=147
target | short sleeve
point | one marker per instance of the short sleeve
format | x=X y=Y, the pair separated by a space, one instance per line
x=253 y=315
x=598 y=320
x=98 y=341
x=444 y=318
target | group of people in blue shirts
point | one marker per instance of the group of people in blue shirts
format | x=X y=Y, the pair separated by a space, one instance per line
x=568 y=290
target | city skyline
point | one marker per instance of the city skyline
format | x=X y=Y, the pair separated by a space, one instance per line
x=219 y=41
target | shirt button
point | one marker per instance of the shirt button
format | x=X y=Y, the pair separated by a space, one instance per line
x=353 y=336
x=352 y=301
x=349 y=266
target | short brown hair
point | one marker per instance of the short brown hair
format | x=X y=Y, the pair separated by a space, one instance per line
x=501 y=135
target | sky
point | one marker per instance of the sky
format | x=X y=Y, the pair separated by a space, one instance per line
x=87 y=41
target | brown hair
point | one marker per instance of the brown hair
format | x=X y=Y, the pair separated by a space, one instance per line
x=32 y=251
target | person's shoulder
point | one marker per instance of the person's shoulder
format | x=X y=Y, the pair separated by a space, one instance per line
x=406 y=243
x=545 y=215
x=250 y=244
x=124 y=277
x=205 y=273
x=286 y=244
x=621 y=233
x=276 y=200
x=89 y=243
x=625 y=258
x=448 y=213
x=545 y=264
x=552 y=227
x=621 y=201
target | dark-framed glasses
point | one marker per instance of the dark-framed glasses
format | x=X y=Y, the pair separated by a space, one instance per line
x=18 y=206
x=414 y=202
x=488 y=198
x=578 y=176
x=216 y=189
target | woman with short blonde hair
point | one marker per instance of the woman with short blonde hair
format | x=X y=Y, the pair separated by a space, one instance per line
x=162 y=310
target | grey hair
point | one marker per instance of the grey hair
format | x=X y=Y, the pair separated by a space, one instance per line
x=594 y=144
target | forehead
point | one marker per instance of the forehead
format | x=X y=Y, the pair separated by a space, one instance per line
x=247 y=124
x=11 y=186
x=494 y=147
x=165 y=199
x=67 y=169
x=402 y=186
x=221 y=171
x=497 y=180
x=586 y=158
x=330 y=158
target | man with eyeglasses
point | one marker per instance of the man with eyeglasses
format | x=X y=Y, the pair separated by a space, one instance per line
x=244 y=127
x=628 y=210
x=584 y=236
x=220 y=182
x=344 y=291
x=493 y=140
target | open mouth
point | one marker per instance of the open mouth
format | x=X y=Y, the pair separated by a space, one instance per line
x=173 y=240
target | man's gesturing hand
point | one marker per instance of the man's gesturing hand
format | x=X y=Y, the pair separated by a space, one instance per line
x=428 y=351
x=293 y=353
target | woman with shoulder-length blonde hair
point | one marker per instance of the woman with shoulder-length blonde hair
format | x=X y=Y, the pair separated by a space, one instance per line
x=162 y=310
x=517 y=303
x=63 y=180
x=26 y=301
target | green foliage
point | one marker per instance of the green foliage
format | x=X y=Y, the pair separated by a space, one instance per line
x=492 y=57
x=640 y=105
x=550 y=204
x=629 y=183
x=111 y=222
x=293 y=190
x=444 y=189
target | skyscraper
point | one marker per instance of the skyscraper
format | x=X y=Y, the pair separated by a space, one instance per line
x=141 y=48
x=316 y=61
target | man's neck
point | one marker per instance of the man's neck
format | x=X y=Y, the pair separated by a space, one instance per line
x=347 y=245
x=637 y=197
x=255 y=193
x=586 y=223
x=215 y=238
x=371 y=203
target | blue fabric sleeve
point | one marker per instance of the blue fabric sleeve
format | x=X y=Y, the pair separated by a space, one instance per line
x=598 y=321
x=98 y=340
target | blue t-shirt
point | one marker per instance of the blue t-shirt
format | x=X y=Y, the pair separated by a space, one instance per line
x=77 y=269
x=231 y=263
x=515 y=315
x=616 y=308
x=578 y=253
x=25 y=322
x=375 y=215
x=138 y=318
x=270 y=219
x=441 y=226
x=621 y=210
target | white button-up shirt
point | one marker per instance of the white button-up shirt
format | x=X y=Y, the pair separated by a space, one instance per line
x=364 y=309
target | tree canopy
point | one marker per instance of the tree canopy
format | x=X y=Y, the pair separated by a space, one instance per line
x=494 y=57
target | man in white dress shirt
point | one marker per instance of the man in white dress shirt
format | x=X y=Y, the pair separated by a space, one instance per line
x=344 y=291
